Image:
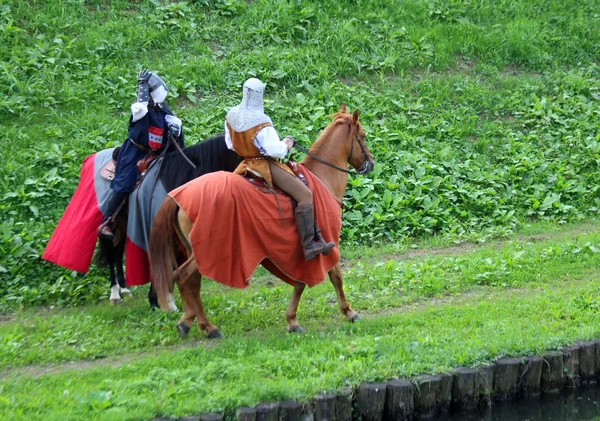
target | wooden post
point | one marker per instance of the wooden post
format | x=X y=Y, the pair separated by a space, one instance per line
x=571 y=365
x=530 y=376
x=245 y=414
x=371 y=401
x=597 y=357
x=445 y=394
x=343 y=405
x=486 y=384
x=325 y=407
x=427 y=390
x=506 y=376
x=553 y=379
x=399 y=401
x=290 y=411
x=465 y=388
x=267 y=412
x=587 y=363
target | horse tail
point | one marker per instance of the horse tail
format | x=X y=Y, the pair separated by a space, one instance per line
x=163 y=260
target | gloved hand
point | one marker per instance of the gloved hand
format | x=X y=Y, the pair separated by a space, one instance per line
x=174 y=125
x=289 y=141
x=143 y=88
x=144 y=76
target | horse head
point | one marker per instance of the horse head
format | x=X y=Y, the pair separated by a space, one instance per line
x=341 y=143
x=359 y=158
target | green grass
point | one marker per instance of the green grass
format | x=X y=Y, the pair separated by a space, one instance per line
x=421 y=314
x=245 y=371
x=482 y=115
x=372 y=284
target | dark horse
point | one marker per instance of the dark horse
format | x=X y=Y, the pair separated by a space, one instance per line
x=340 y=144
x=207 y=156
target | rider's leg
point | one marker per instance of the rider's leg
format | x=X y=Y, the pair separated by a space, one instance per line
x=111 y=206
x=312 y=243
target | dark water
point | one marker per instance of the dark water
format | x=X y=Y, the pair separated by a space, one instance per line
x=572 y=405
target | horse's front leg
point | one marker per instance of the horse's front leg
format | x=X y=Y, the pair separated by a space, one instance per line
x=335 y=276
x=290 y=313
x=115 y=297
x=120 y=273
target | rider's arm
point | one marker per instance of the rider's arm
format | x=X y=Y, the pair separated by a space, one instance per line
x=228 y=137
x=140 y=107
x=268 y=142
x=138 y=111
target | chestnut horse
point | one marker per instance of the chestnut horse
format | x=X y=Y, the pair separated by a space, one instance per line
x=341 y=143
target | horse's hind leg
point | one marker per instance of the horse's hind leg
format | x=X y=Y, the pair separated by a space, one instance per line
x=290 y=313
x=182 y=278
x=153 y=297
x=189 y=280
x=335 y=276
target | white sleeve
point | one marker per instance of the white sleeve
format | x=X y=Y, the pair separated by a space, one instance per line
x=138 y=110
x=268 y=142
x=228 y=137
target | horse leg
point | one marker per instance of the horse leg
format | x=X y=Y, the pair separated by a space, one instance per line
x=182 y=277
x=290 y=313
x=335 y=276
x=120 y=274
x=153 y=297
x=189 y=280
x=210 y=330
x=115 y=297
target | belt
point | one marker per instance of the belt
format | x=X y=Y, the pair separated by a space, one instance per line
x=141 y=147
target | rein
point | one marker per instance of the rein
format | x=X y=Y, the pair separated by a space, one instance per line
x=363 y=168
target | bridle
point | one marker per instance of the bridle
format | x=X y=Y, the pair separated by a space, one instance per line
x=364 y=168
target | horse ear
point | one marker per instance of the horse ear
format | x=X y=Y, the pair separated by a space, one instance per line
x=343 y=108
x=355 y=116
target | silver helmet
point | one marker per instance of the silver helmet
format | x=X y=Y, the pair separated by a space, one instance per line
x=158 y=88
x=251 y=111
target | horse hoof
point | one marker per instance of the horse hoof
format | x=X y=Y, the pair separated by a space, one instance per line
x=127 y=292
x=296 y=329
x=354 y=318
x=215 y=334
x=114 y=301
x=183 y=330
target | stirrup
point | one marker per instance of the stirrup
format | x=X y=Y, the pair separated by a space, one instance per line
x=322 y=248
x=104 y=225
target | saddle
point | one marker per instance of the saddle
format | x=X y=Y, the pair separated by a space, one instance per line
x=261 y=185
x=107 y=172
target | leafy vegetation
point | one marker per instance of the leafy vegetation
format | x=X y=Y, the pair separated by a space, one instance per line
x=481 y=115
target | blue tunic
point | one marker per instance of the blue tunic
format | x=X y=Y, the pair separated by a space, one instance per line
x=150 y=132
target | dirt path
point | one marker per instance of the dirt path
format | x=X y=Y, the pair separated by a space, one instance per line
x=583 y=228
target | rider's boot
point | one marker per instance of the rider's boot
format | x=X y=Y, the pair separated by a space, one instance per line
x=312 y=245
x=111 y=206
x=320 y=238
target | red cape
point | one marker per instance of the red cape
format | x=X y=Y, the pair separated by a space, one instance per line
x=73 y=242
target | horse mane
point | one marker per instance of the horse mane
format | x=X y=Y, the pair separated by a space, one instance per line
x=341 y=117
x=208 y=156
